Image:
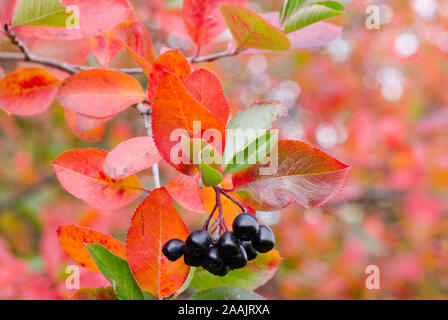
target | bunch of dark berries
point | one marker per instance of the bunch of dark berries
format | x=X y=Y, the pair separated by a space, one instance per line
x=231 y=251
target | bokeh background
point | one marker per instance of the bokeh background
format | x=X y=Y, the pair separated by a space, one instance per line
x=375 y=99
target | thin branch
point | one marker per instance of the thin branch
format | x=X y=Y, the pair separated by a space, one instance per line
x=146 y=114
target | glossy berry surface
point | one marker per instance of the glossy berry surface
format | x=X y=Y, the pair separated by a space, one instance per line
x=221 y=272
x=228 y=245
x=250 y=250
x=192 y=260
x=237 y=261
x=198 y=242
x=245 y=226
x=265 y=241
x=212 y=260
x=173 y=249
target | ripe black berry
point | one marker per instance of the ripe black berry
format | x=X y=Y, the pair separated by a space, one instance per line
x=228 y=245
x=251 y=252
x=212 y=260
x=221 y=272
x=264 y=242
x=237 y=261
x=245 y=226
x=173 y=249
x=198 y=242
x=192 y=260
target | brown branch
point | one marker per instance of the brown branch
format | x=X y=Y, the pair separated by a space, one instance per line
x=27 y=56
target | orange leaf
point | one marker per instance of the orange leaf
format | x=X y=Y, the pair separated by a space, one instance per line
x=172 y=61
x=175 y=109
x=154 y=223
x=186 y=192
x=73 y=240
x=92 y=135
x=134 y=37
x=100 y=93
x=80 y=172
x=27 y=92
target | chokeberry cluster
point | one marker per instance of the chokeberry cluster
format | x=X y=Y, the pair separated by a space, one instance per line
x=231 y=251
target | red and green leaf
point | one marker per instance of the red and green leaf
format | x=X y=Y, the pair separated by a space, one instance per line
x=154 y=223
x=250 y=30
x=95 y=17
x=303 y=174
x=100 y=93
x=28 y=92
x=255 y=274
x=80 y=172
x=73 y=240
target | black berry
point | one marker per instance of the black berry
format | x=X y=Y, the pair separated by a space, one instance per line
x=250 y=250
x=228 y=245
x=265 y=241
x=198 y=243
x=221 y=272
x=212 y=260
x=237 y=261
x=192 y=260
x=245 y=226
x=173 y=249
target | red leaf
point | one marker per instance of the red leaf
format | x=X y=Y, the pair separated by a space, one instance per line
x=105 y=47
x=203 y=20
x=73 y=240
x=134 y=37
x=80 y=172
x=91 y=135
x=305 y=174
x=131 y=156
x=173 y=109
x=206 y=88
x=100 y=93
x=95 y=17
x=28 y=92
x=171 y=61
x=154 y=223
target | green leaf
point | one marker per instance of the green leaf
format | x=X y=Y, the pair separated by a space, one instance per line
x=248 y=125
x=311 y=14
x=255 y=274
x=210 y=176
x=117 y=271
x=49 y=13
x=226 y=293
x=251 y=31
x=254 y=152
x=288 y=7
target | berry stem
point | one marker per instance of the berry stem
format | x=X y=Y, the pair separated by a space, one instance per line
x=243 y=209
x=207 y=222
